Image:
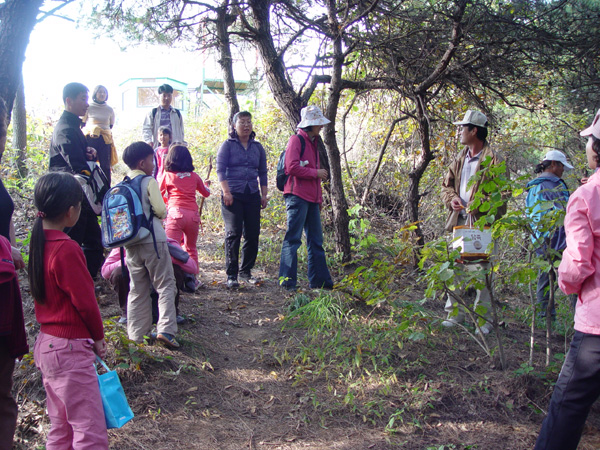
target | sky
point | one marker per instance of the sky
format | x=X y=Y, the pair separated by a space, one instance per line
x=60 y=52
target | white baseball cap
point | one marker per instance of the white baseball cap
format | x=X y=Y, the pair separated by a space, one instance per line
x=312 y=115
x=473 y=117
x=557 y=155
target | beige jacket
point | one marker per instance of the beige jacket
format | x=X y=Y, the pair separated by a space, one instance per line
x=451 y=184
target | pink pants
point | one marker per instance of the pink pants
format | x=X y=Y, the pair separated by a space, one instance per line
x=72 y=394
x=183 y=225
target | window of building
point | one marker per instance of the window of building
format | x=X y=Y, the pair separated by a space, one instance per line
x=148 y=96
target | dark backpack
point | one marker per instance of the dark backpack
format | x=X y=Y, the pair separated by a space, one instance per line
x=123 y=219
x=155 y=110
x=94 y=186
x=282 y=177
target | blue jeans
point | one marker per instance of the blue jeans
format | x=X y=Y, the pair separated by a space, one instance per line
x=575 y=392
x=303 y=215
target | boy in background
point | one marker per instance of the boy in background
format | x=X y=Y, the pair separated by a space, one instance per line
x=149 y=265
x=164 y=115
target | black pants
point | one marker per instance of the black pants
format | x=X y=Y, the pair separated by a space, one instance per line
x=87 y=234
x=576 y=390
x=242 y=218
x=103 y=151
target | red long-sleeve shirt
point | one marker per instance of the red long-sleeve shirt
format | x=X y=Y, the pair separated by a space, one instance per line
x=180 y=189
x=70 y=309
x=303 y=180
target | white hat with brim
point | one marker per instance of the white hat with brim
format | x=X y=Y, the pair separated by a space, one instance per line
x=312 y=115
x=557 y=155
x=594 y=128
x=473 y=118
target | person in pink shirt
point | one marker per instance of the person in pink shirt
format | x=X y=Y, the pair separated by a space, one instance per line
x=179 y=186
x=160 y=153
x=303 y=200
x=578 y=385
x=71 y=330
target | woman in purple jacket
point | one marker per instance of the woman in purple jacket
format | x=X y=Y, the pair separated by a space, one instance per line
x=241 y=167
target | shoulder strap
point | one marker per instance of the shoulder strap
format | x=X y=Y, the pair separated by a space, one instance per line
x=302 y=144
x=150 y=218
x=154 y=111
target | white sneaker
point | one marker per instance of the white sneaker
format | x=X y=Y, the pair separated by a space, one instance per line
x=449 y=323
x=485 y=328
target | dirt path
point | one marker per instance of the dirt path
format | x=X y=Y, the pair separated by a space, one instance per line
x=223 y=390
x=229 y=387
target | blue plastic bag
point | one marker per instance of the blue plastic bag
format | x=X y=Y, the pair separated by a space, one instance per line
x=116 y=409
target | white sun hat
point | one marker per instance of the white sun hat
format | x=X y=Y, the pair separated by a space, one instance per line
x=557 y=155
x=473 y=118
x=312 y=115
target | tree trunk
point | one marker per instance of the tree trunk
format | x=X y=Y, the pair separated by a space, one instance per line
x=20 y=130
x=418 y=170
x=224 y=20
x=17 y=19
x=338 y=197
x=291 y=103
x=283 y=92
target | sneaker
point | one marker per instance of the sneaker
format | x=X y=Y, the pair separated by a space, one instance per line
x=180 y=319
x=232 y=283
x=450 y=322
x=123 y=320
x=168 y=340
x=189 y=286
x=248 y=278
x=485 y=328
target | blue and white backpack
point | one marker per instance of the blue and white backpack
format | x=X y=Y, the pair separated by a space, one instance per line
x=124 y=221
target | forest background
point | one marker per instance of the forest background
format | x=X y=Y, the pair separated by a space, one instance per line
x=392 y=76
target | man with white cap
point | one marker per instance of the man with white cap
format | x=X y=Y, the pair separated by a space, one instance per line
x=303 y=199
x=458 y=195
x=546 y=193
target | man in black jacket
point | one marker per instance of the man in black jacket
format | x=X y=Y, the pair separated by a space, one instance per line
x=69 y=152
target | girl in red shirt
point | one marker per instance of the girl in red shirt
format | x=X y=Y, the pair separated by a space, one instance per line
x=179 y=186
x=71 y=332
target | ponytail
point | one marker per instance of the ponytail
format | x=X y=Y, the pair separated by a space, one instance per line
x=35 y=267
x=54 y=194
x=541 y=167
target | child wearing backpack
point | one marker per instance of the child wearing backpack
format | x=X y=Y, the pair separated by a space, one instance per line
x=71 y=331
x=179 y=185
x=148 y=259
x=119 y=278
x=164 y=140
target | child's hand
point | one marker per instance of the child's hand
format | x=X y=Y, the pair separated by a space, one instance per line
x=100 y=348
x=17 y=258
